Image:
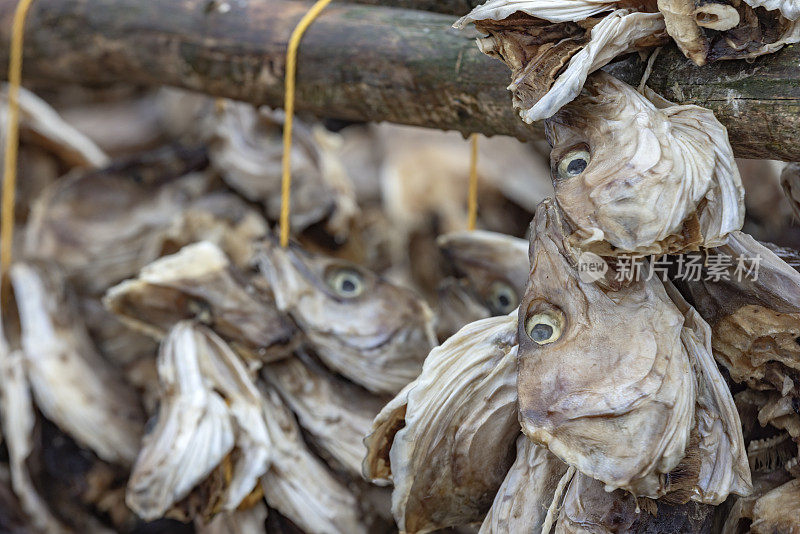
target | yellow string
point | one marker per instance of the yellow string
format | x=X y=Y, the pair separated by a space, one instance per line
x=12 y=136
x=291 y=72
x=472 y=205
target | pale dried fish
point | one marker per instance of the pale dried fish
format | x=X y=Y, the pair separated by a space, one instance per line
x=679 y=18
x=223 y=219
x=788 y=8
x=677 y=158
x=456 y=307
x=588 y=507
x=724 y=467
x=790 y=180
x=550 y=59
x=460 y=416
x=621 y=412
x=42 y=124
x=494 y=265
x=334 y=412
x=526 y=493
x=299 y=485
x=199 y=282
x=375 y=333
x=19 y=418
x=248 y=521
x=103 y=226
x=209 y=405
x=777 y=510
x=754 y=315
x=551 y=10
x=73 y=385
x=246 y=149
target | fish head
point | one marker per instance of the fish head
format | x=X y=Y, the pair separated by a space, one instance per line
x=602 y=379
x=359 y=323
x=493 y=265
x=636 y=174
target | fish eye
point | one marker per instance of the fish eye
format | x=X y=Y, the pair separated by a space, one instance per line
x=502 y=298
x=346 y=282
x=573 y=163
x=544 y=327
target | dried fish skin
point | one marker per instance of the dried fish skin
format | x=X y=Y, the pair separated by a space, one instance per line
x=550 y=61
x=524 y=497
x=18 y=420
x=103 y=226
x=45 y=127
x=724 y=466
x=73 y=385
x=618 y=33
x=335 y=413
x=754 y=321
x=457 y=305
x=199 y=282
x=778 y=510
x=588 y=507
x=620 y=412
x=221 y=218
x=790 y=181
x=249 y=521
x=298 y=484
x=458 y=415
x=375 y=333
x=788 y=8
x=679 y=17
x=246 y=147
x=494 y=265
x=209 y=405
x=675 y=157
x=550 y=10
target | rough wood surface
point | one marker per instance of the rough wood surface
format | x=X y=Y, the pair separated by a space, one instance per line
x=365 y=63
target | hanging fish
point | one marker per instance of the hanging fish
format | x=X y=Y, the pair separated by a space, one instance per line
x=629 y=415
x=371 y=331
x=199 y=282
x=551 y=47
x=446 y=440
x=636 y=174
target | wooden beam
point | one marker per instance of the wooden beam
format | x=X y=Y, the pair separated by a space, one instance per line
x=365 y=63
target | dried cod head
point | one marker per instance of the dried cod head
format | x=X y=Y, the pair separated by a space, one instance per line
x=72 y=384
x=103 y=226
x=373 y=332
x=248 y=521
x=336 y=414
x=790 y=180
x=494 y=265
x=246 y=148
x=730 y=29
x=446 y=440
x=209 y=408
x=199 y=282
x=551 y=47
x=525 y=496
x=298 y=484
x=635 y=174
x=651 y=414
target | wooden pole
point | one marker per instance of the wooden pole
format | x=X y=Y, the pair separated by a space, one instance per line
x=366 y=63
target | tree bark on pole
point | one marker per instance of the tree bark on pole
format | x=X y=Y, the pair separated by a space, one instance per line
x=366 y=63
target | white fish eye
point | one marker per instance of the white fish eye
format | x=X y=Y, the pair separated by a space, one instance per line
x=502 y=298
x=346 y=282
x=573 y=163
x=544 y=327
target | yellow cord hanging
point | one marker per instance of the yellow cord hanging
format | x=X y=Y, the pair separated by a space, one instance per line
x=472 y=204
x=12 y=136
x=291 y=71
